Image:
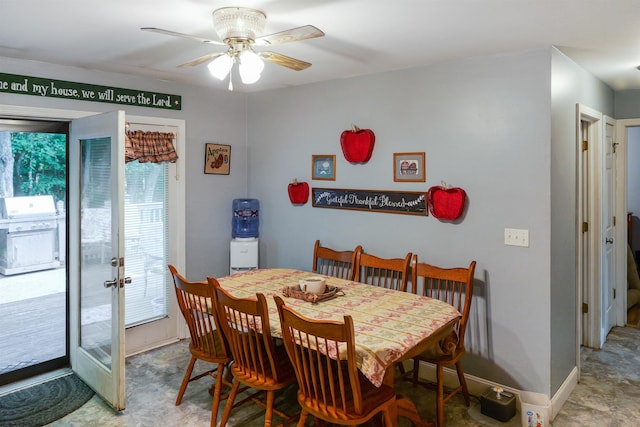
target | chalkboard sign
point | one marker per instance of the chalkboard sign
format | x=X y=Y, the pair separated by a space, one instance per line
x=400 y=202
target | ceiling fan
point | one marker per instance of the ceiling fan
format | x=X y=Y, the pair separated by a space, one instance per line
x=239 y=29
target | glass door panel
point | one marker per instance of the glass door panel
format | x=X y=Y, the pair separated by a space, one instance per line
x=146 y=231
x=95 y=248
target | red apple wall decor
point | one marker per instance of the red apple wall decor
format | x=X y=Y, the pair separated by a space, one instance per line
x=298 y=192
x=446 y=203
x=357 y=144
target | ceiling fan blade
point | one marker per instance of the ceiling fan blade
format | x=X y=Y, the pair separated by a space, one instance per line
x=200 y=60
x=184 y=36
x=285 y=61
x=295 y=34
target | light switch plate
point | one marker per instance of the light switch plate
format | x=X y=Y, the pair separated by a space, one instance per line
x=516 y=237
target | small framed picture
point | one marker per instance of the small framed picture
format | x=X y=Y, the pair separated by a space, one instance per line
x=409 y=167
x=323 y=166
x=217 y=159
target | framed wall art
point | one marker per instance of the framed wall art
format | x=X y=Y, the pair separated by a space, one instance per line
x=323 y=166
x=217 y=159
x=409 y=167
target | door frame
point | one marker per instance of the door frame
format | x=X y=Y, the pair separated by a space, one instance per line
x=177 y=238
x=141 y=338
x=609 y=289
x=589 y=325
x=588 y=264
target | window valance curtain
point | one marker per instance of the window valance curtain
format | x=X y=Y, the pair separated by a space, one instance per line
x=153 y=147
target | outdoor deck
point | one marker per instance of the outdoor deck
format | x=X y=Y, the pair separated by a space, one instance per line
x=33 y=321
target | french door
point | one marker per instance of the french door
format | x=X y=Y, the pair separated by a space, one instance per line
x=96 y=235
x=96 y=195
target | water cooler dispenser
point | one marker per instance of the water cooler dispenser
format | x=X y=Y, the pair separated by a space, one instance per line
x=243 y=255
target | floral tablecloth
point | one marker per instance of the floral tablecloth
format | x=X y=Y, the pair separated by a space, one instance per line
x=387 y=323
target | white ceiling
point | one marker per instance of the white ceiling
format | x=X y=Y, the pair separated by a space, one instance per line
x=362 y=36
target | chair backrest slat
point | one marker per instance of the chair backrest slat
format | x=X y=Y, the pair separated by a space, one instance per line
x=451 y=285
x=195 y=300
x=324 y=359
x=245 y=323
x=331 y=262
x=390 y=273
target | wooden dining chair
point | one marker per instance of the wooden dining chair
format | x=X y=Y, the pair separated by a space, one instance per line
x=454 y=286
x=390 y=273
x=331 y=262
x=257 y=362
x=195 y=300
x=331 y=388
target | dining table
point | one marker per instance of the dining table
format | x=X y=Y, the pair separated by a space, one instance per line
x=390 y=326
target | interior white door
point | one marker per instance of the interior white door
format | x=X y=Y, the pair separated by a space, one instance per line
x=96 y=248
x=609 y=312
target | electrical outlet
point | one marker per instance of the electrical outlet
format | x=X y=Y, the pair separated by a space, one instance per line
x=516 y=237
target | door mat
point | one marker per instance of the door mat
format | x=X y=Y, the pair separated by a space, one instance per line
x=44 y=403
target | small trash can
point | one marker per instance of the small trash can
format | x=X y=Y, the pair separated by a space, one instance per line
x=534 y=409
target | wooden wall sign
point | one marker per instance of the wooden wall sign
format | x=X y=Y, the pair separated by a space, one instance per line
x=50 y=88
x=399 y=202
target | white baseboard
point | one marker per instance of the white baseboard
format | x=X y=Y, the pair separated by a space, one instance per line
x=477 y=386
x=561 y=396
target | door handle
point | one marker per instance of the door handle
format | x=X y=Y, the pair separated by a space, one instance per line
x=114 y=282
x=609 y=240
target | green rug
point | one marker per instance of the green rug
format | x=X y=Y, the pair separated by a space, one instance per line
x=43 y=403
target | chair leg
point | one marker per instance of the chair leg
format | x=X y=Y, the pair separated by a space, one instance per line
x=401 y=368
x=440 y=396
x=229 y=406
x=463 y=383
x=268 y=416
x=185 y=380
x=386 y=417
x=416 y=370
x=303 y=417
x=216 y=394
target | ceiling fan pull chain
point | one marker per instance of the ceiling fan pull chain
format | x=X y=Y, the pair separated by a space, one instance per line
x=230 y=82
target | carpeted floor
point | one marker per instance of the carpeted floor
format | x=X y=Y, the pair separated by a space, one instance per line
x=43 y=403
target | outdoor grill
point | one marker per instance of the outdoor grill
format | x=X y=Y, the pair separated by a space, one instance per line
x=28 y=234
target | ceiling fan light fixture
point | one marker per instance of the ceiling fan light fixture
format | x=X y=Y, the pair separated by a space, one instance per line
x=251 y=65
x=221 y=66
x=248 y=77
x=238 y=22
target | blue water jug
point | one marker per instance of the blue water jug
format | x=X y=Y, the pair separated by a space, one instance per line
x=245 y=218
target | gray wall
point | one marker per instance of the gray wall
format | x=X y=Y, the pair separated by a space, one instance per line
x=211 y=116
x=484 y=124
x=627 y=105
x=570 y=85
x=502 y=127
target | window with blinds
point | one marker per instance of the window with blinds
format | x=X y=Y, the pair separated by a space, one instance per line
x=145 y=233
